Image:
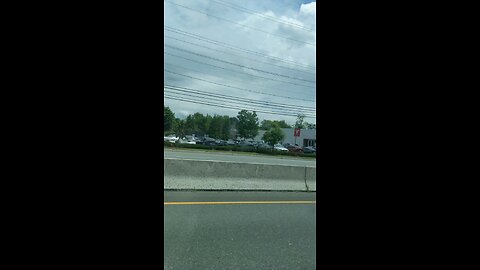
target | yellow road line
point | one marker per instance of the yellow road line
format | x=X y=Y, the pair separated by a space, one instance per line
x=245 y=202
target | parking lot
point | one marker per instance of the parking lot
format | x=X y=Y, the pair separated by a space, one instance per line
x=248 y=145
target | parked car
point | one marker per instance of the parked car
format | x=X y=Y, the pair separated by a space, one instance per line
x=257 y=143
x=185 y=141
x=280 y=147
x=309 y=149
x=171 y=139
x=230 y=143
x=264 y=146
x=245 y=143
x=295 y=149
x=221 y=142
x=287 y=145
x=209 y=141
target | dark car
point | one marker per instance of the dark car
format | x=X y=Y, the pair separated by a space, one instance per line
x=294 y=148
x=309 y=149
x=264 y=146
x=245 y=143
x=209 y=142
x=221 y=143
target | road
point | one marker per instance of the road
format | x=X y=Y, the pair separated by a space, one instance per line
x=238 y=157
x=239 y=230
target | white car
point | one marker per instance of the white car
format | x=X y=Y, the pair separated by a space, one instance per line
x=170 y=139
x=280 y=147
x=187 y=142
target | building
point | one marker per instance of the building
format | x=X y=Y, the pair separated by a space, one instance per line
x=308 y=137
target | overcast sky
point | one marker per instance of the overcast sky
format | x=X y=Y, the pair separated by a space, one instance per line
x=296 y=83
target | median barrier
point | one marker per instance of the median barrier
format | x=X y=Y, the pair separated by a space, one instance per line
x=221 y=175
x=311 y=178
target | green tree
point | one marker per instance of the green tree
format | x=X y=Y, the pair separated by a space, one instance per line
x=179 y=127
x=310 y=125
x=225 y=127
x=216 y=127
x=299 y=123
x=283 y=124
x=267 y=124
x=197 y=123
x=205 y=124
x=247 y=124
x=168 y=119
x=233 y=122
x=189 y=125
x=274 y=135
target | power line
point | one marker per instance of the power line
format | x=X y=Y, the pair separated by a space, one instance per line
x=226 y=45
x=238 y=65
x=234 y=100
x=228 y=107
x=252 y=59
x=243 y=89
x=246 y=26
x=238 y=81
x=238 y=99
x=241 y=106
x=246 y=10
x=235 y=103
x=236 y=71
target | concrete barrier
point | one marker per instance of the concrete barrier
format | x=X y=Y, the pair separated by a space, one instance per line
x=311 y=178
x=213 y=175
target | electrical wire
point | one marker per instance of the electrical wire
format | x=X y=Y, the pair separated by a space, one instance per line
x=228 y=107
x=237 y=80
x=236 y=71
x=238 y=65
x=219 y=98
x=242 y=25
x=230 y=86
x=226 y=45
x=238 y=99
x=251 y=59
x=240 y=106
x=246 y=10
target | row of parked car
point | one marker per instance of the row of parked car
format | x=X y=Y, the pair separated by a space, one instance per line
x=295 y=148
x=242 y=143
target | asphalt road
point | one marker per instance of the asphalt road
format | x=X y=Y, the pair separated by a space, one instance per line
x=239 y=157
x=239 y=230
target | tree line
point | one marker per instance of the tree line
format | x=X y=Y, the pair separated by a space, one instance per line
x=245 y=125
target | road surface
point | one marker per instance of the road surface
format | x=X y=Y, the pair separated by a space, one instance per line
x=239 y=230
x=239 y=157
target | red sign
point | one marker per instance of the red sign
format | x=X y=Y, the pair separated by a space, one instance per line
x=296 y=132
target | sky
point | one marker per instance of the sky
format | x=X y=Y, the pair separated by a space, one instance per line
x=261 y=58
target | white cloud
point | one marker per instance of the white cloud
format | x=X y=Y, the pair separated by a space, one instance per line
x=309 y=9
x=249 y=39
